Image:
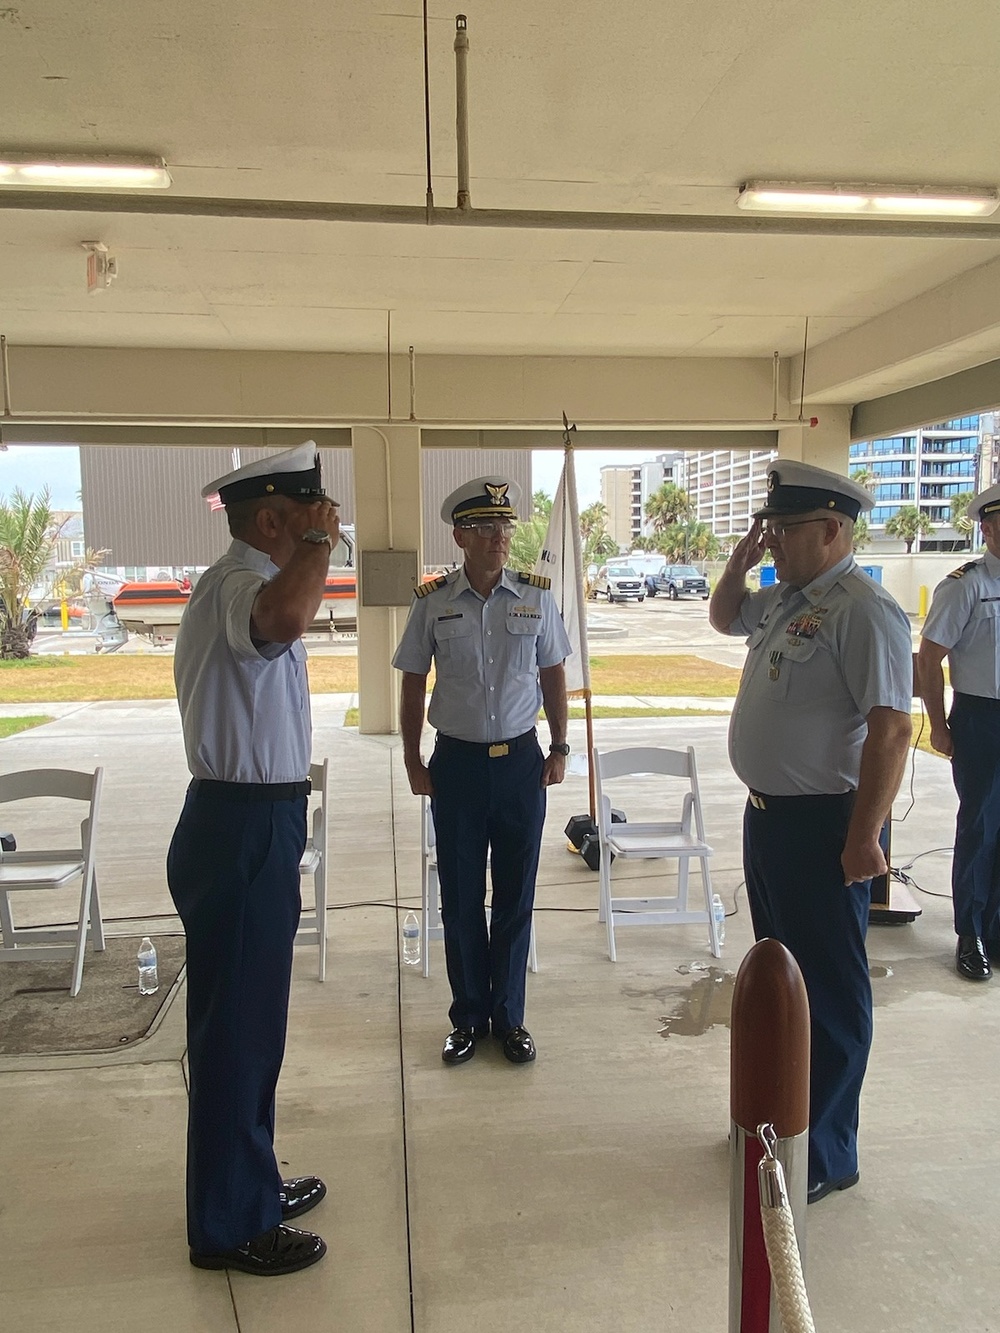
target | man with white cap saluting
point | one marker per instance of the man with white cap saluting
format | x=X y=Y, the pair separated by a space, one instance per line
x=964 y=626
x=498 y=645
x=233 y=864
x=819 y=734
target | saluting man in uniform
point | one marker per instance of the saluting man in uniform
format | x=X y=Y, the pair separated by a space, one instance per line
x=819 y=734
x=964 y=626
x=498 y=644
x=233 y=864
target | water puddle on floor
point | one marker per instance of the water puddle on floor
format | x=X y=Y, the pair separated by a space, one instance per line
x=705 y=1004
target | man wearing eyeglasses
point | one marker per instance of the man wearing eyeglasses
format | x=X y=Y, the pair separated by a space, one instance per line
x=497 y=643
x=819 y=734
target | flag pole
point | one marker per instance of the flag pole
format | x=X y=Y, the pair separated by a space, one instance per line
x=571 y=529
x=561 y=559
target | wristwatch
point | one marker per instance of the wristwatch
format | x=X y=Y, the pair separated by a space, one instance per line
x=559 y=749
x=317 y=535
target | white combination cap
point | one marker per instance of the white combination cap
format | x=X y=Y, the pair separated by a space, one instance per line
x=295 y=473
x=482 y=498
x=796 y=488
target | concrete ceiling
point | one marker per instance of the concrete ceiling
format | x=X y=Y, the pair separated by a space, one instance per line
x=583 y=106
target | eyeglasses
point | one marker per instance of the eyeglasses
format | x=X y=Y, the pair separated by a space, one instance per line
x=498 y=528
x=778 y=530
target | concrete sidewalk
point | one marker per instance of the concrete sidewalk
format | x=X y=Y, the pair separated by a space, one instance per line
x=585 y=1192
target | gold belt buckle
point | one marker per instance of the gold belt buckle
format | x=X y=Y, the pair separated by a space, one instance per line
x=498 y=751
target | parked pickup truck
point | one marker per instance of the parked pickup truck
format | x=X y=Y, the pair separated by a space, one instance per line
x=677 y=581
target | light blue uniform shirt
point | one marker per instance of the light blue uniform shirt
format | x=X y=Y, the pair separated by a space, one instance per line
x=820 y=659
x=486 y=655
x=965 y=618
x=244 y=705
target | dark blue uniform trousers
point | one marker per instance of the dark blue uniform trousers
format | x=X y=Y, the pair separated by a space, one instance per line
x=233 y=875
x=795 y=883
x=498 y=804
x=975 y=869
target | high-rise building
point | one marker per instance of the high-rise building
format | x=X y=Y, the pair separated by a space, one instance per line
x=925 y=469
x=626 y=488
x=726 y=486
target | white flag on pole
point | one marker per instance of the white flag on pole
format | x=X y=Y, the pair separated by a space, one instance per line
x=561 y=560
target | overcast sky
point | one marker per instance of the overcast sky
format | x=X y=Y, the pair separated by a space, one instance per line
x=32 y=467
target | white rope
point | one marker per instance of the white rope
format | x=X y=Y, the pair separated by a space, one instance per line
x=779 y=1240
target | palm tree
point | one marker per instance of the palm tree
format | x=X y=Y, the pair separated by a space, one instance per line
x=526 y=543
x=541 y=505
x=667 y=506
x=593 y=519
x=861 y=537
x=960 y=519
x=702 y=543
x=908 y=523
x=28 y=533
x=865 y=477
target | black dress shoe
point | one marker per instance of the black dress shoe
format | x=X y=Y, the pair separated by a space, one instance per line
x=517 y=1045
x=459 y=1046
x=993 y=951
x=299 y=1195
x=970 y=959
x=280 y=1250
x=825 y=1187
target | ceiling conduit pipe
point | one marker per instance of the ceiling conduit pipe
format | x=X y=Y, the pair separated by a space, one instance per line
x=462 y=109
x=522 y=219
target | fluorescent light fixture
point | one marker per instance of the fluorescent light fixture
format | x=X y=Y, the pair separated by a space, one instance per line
x=853 y=198
x=99 y=171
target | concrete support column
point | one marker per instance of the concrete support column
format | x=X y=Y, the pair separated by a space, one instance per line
x=825 y=445
x=387 y=496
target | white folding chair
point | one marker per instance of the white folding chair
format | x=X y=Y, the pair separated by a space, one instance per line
x=431 y=926
x=26 y=871
x=681 y=839
x=312 y=923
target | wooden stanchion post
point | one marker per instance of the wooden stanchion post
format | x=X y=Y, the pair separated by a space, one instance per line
x=769 y=1074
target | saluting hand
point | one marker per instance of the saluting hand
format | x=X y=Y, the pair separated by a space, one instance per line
x=749 y=551
x=323 y=514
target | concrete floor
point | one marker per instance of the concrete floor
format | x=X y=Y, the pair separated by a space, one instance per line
x=588 y=1191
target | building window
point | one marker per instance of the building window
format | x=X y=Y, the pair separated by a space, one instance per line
x=77 y=550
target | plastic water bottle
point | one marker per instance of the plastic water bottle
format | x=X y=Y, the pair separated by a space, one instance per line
x=719 y=912
x=411 y=939
x=149 y=983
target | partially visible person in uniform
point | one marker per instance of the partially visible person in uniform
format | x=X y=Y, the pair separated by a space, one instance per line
x=819 y=734
x=964 y=626
x=498 y=644
x=233 y=864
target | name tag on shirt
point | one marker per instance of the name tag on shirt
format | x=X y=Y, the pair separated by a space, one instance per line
x=452 y=615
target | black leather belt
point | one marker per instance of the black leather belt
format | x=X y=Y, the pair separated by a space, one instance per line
x=760 y=801
x=248 y=792
x=493 y=749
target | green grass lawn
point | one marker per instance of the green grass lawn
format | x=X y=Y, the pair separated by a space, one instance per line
x=10 y=726
x=87 y=678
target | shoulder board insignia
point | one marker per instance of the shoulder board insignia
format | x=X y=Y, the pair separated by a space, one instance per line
x=536 y=580
x=422 y=589
x=963 y=569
